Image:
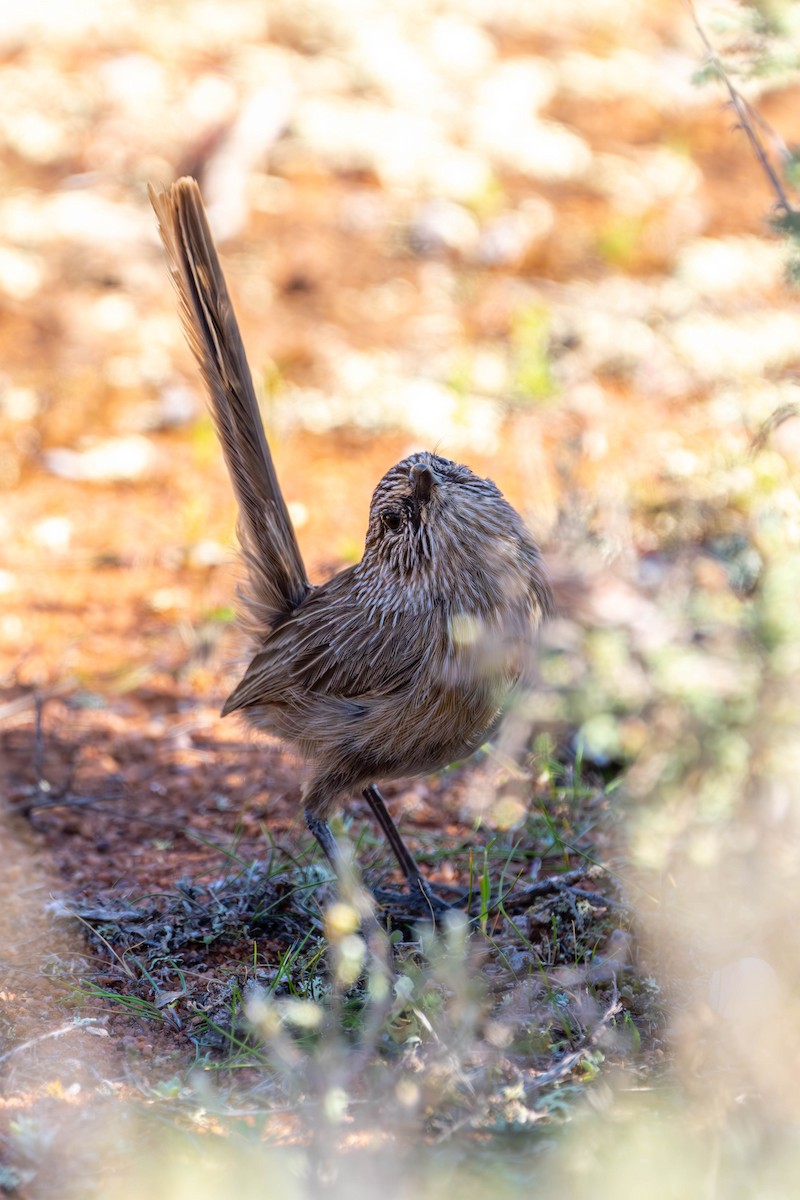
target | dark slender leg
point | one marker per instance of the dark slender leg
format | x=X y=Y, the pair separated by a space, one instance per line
x=418 y=885
x=370 y=928
x=327 y=842
x=415 y=879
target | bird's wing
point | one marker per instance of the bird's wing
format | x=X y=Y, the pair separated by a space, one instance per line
x=331 y=646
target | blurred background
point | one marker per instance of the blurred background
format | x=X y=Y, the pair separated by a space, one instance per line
x=522 y=233
x=529 y=235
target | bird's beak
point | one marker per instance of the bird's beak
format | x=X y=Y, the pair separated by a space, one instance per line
x=423 y=481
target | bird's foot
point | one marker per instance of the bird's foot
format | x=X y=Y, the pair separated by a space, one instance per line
x=419 y=903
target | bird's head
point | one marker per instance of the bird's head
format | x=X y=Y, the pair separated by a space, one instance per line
x=440 y=533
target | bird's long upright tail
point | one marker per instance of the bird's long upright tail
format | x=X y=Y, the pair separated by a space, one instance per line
x=277 y=580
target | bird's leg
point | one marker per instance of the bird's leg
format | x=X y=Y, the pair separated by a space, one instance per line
x=414 y=877
x=325 y=840
x=420 y=889
x=401 y=852
x=373 y=934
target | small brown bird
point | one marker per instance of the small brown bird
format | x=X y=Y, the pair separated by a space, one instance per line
x=400 y=664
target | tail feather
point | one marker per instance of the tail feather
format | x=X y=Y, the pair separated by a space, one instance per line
x=277 y=581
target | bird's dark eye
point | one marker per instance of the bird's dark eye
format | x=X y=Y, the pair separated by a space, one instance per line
x=392 y=520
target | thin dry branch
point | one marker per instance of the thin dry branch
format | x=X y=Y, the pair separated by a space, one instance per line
x=85 y=1023
x=748 y=118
